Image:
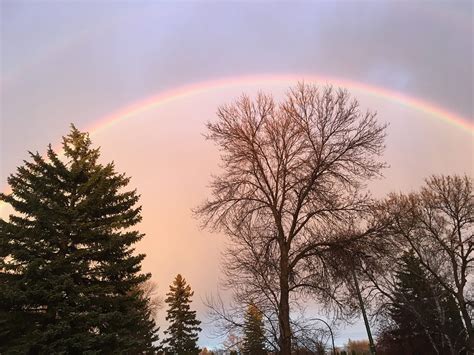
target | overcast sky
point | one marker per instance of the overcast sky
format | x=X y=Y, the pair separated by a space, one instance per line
x=79 y=61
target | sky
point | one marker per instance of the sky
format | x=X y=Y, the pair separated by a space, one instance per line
x=144 y=76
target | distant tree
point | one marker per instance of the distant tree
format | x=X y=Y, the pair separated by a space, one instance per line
x=184 y=327
x=320 y=349
x=293 y=177
x=437 y=223
x=254 y=332
x=358 y=347
x=206 y=352
x=317 y=348
x=155 y=302
x=232 y=343
x=69 y=277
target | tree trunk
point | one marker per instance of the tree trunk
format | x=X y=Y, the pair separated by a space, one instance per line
x=284 y=306
x=467 y=322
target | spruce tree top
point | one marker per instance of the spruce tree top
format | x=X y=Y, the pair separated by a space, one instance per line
x=184 y=327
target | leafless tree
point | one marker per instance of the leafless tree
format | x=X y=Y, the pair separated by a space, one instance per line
x=293 y=175
x=438 y=224
x=150 y=292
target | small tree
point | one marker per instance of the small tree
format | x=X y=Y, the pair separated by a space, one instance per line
x=358 y=347
x=206 y=352
x=184 y=327
x=232 y=343
x=254 y=332
x=69 y=276
x=149 y=289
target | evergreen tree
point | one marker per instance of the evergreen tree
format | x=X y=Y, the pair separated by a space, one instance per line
x=69 y=276
x=254 y=332
x=424 y=315
x=184 y=327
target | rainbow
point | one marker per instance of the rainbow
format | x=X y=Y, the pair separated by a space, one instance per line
x=175 y=94
x=289 y=79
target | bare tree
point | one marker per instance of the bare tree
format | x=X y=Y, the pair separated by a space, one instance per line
x=149 y=291
x=292 y=174
x=438 y=224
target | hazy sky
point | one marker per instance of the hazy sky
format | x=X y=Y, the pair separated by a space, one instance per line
x=80 y=61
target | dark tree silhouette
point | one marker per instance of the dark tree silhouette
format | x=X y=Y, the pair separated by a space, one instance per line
x=424 y=317
x=184 y=327
x=437 y=223
x=68 y=274
x=254 y=332
x=292 y=183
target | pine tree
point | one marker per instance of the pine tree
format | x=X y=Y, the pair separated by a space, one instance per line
x=424 y=315
x=254 y=332
x=68 y=272
x=184 y=327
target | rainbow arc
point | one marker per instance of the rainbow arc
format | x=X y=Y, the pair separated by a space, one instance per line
x=202 y=87
x=175 y=94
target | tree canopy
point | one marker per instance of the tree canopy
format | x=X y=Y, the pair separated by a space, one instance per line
x=291 y=191
x=69 y=275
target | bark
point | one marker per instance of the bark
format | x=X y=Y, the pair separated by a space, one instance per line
x=467 y=322
x=284 y=305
